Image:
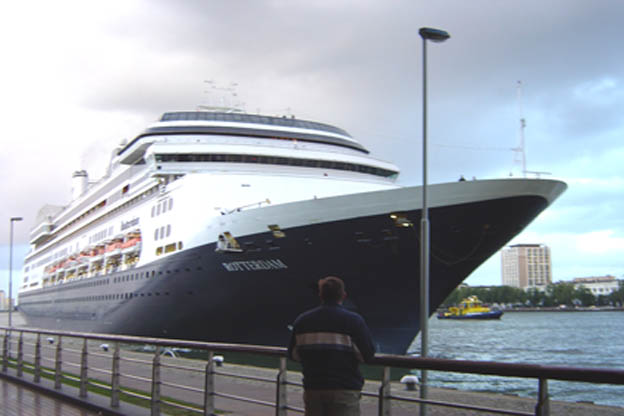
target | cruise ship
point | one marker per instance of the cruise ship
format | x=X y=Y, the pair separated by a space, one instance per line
x=216 y=226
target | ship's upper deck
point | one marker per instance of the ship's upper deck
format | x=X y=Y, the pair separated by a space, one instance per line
x=251 y=118
x=248 y=125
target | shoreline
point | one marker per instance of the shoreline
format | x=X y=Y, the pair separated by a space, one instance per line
x=559 y=309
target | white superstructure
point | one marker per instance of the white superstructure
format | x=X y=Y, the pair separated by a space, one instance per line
x=209 y=163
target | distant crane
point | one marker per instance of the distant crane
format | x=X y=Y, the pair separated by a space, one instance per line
x=520 y=154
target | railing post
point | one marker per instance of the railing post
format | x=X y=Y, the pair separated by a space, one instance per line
x=5 y=351
x=37 y=375
x=58 y=363
x=384 y=394
x=155 y=404
x=84 y=378
x=9 y=333
x=115 y=377
x=542 y=408
x=20 y=355
x=209 y=387
x=281 y=399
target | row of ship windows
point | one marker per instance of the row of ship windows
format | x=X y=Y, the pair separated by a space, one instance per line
x=169 y=248
x=116 y=296
x=162 y=232
x=250 y=118
x=101 y=235
x=86 y=284
x=119 y=279
x=162 y=207
x=272 y=160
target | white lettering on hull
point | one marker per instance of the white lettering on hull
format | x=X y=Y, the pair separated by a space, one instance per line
x=254 y=265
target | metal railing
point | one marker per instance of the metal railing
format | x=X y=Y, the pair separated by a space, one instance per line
x=97 y=366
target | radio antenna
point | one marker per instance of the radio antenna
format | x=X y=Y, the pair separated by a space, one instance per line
x=221 y=98
x=519 y=151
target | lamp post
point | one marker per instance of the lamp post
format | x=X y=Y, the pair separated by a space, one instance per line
x=434 y=35
x=13 y=219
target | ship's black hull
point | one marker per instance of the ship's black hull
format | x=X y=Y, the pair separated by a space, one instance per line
x=253 y=296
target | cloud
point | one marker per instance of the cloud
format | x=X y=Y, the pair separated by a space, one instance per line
x=600 y=242
x=78 y=77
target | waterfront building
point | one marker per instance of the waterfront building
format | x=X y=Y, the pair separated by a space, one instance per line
x=598 y=285
x=526 y=266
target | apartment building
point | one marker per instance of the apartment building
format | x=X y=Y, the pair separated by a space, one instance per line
x=526 y=265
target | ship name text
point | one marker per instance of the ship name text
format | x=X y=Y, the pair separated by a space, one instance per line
x=254 y=265
x=128 y=224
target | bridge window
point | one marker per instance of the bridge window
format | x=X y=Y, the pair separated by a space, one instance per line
x=270 y=160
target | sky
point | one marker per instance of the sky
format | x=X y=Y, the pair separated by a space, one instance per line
x=78 y=77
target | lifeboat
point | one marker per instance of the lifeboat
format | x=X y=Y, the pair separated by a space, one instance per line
x=97 y=253
x=132 y=243
x=113 y=248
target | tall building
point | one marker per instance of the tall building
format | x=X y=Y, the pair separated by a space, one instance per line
x=526 y=265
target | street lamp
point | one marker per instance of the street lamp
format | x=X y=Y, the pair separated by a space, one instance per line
x=434 y=35
x=13 y=219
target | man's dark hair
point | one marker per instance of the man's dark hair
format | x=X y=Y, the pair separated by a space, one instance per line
x=331 y=289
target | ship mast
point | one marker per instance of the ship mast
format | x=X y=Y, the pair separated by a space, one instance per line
x=520 y=150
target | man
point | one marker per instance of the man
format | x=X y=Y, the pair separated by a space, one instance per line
x=330 y=342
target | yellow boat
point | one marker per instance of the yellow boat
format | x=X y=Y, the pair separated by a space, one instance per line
x=470 y=308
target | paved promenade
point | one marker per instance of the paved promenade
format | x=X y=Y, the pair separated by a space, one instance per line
x=17 y=400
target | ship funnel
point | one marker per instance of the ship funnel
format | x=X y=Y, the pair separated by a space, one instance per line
x=80 y=182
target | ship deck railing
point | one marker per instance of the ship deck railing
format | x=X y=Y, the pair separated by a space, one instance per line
x=93 y=364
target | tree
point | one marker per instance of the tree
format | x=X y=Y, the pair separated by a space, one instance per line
x=603 y=300
x=617 y=297
x=495 y=294
x=561 y=293
x=535 y=297
x=585 y=296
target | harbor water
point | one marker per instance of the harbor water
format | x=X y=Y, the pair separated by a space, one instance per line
x=577 y=339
